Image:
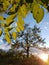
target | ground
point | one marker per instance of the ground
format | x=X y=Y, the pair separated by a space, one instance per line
x=25 y=61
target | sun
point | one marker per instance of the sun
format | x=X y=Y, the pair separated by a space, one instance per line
x=44 y=57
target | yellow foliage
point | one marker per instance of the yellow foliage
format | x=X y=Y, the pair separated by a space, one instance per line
x=9 y=19
x=35 y=7
x=18 y=29
x=3 y=24
x=17 y=1
x=11 y=1
x=6 y=30
x=20 y=26
x=23 y=10
x=38 y=12
x=7 y=38
x=1 y=18
x=5 y=5
x=14 y=35
x=21 y=21
x=13 y=8
x=0 y=32
x=40 y=15
x=9 y=28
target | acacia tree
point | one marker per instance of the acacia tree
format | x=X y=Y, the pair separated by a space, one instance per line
x=30 y=37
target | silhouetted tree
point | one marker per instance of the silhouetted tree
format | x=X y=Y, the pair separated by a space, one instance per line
x=30 y=37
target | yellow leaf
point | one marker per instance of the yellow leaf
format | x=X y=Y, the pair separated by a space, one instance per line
x=21 y=21
x=18 y=29
x=38 y=12
x=7 y=38
x=6 y=30
x=5 y=5
x=14 y=35
x=11 y=1
x=13 y=8
x=1 y=18
x=9 y=28
x=35 y=7
x=23 y=10
x=20 y=26
x=17 y=1
x=9 y=19
x=3 y=24
x=0 y=32
x=40 y=15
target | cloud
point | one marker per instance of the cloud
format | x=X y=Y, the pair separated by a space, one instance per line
x=1 y=42
x=5 y=46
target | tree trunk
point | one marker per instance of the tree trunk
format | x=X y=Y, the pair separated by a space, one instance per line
x=27 y=46
x=27 y=52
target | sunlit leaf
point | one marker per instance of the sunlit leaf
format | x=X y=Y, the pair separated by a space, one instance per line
x=11 y=1
x=20 y=19
x=10 y=18
x=18 y=29
x=3 y=24
x=17 y=1
x=7 y=38
x=6 y=30
x=23 y=10
x=1 y=18
x=38 y=13
x=5 y=5
x=20 y=26
x=14 y=35
x=12 y=9
x=0 y=32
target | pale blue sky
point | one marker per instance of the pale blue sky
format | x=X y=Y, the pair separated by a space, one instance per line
x=44 y=25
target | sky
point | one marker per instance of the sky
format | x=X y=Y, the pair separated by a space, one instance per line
x=44 y=26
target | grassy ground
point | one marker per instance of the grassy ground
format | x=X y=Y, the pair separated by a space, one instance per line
x=25 y=61
x=17 y=58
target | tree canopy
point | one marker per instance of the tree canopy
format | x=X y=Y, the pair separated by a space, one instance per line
x=11 y=7
x=28 y=38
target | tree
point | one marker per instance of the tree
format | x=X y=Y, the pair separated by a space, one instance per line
x=19 y=9
x=30 y=37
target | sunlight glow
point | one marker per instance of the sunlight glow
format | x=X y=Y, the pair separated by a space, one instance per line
x=44 y=57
